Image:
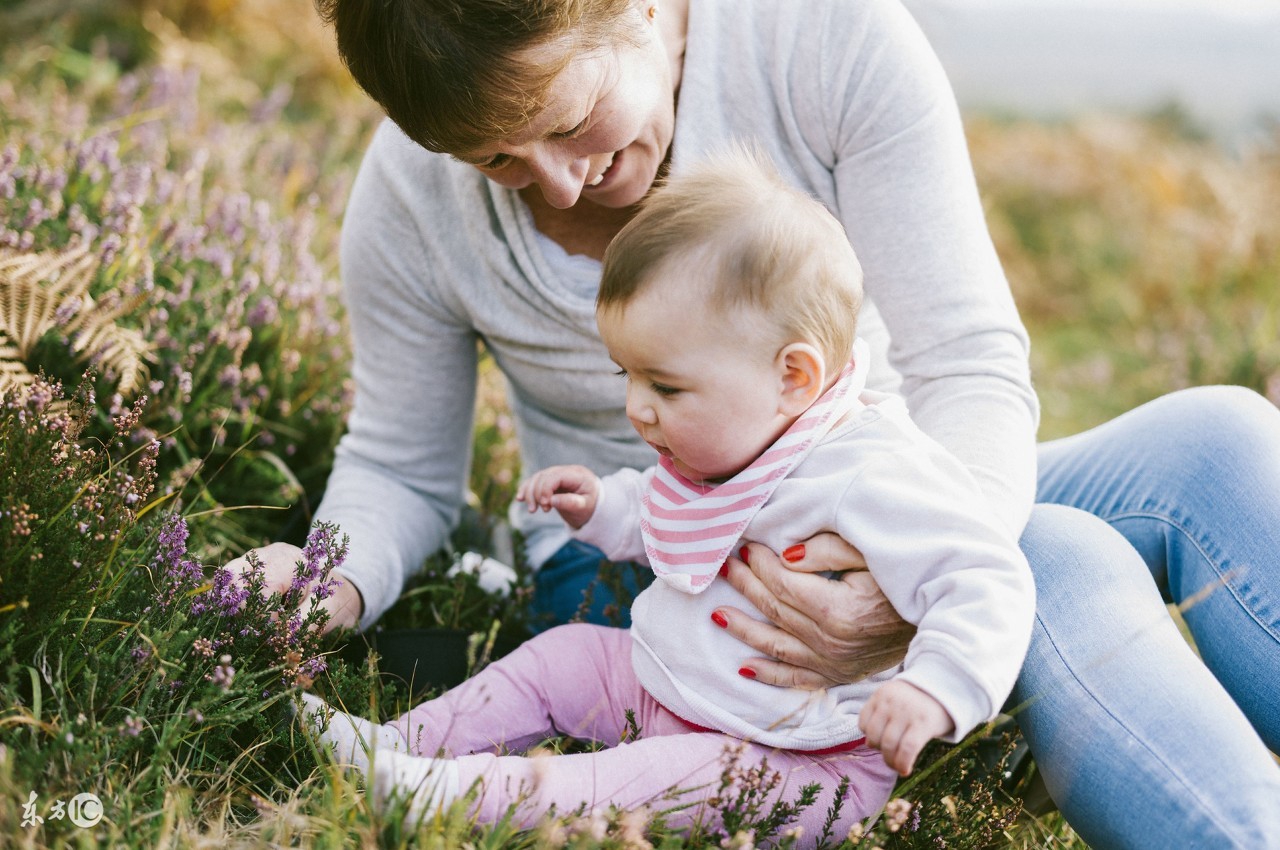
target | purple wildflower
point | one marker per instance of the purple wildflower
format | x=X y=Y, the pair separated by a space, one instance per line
x=225 y=599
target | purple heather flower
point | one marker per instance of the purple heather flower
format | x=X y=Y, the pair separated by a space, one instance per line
x=225 y=599
x=224 y=674
x=179 y=573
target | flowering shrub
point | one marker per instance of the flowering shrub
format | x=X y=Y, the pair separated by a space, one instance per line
x=116 y=645
x=136 y=238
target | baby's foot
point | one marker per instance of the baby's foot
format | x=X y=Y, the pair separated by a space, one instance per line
x=428 y=784
x=352 y=738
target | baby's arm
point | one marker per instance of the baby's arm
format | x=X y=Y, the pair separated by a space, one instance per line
x=899 y=719
x=948 y=566
x=572 y=490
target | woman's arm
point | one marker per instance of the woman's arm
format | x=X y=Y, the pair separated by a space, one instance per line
x=906 y=194
x=399 y=474
x=878 y=110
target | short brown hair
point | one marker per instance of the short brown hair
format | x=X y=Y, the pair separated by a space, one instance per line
x=455 y=74
x=765 y=244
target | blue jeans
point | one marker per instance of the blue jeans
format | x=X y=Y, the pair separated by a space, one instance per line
x=1140 y=743
x=579 y=583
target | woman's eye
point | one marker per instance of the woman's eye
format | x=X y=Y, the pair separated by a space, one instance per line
x=498 y=161
x=576 y=131
x=621 y=373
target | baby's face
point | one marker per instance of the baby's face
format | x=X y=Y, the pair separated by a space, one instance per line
x=704 y=386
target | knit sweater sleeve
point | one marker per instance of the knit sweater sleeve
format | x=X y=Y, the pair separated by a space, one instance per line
x=905 y=191
x=614 y=528
x=398 y=479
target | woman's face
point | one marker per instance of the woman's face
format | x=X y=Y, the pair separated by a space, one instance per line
x=605 y=131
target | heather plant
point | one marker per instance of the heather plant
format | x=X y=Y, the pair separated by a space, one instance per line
x=125 y=664
x=187 y=258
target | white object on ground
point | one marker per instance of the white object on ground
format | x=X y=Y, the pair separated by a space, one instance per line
x=353 y=738
x=428 y=784
x=493 y=576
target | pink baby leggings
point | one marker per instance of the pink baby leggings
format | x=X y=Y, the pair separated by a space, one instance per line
x=577 y=681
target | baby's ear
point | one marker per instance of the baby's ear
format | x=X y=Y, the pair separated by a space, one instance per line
x=804 y=375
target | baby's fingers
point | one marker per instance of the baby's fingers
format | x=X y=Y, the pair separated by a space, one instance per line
x=567 y=502
x=536 y=492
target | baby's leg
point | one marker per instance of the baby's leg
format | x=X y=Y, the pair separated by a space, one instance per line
x=673 y=773
x=573 y=680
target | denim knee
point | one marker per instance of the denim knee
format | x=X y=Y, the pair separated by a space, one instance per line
x=1218 y=419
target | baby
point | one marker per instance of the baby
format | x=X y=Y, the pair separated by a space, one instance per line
x=729 y=304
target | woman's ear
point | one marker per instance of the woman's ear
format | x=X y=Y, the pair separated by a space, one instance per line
x=804 y=376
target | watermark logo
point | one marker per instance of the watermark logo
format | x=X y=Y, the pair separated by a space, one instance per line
x=84 y=810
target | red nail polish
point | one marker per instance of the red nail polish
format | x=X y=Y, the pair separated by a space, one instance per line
x=724 y=569
x=793 y=553
x=719 y=620
x=746 y=672
x=744 y=555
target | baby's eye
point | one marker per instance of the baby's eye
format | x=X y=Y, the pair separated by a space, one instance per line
x=664 y=390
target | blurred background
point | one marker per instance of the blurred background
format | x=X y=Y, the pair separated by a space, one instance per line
x=1126 y=151
x=1214 y=62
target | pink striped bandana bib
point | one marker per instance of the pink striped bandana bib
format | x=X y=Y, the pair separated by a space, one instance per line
x=690 y=528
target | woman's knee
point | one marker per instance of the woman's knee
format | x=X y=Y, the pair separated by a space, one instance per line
x=1088 y=576
x=1229 y=418
x=1066 y=545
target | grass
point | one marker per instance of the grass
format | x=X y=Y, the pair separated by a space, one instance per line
x=1143 y=258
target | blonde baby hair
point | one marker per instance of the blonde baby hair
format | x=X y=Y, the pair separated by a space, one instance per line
x=764 y=245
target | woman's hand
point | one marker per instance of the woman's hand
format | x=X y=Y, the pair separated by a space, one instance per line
x=280 y=560
x=821 y=631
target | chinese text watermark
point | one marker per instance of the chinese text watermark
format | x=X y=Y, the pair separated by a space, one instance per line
x=84 y=810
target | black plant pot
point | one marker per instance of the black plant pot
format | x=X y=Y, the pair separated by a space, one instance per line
x=425 y=659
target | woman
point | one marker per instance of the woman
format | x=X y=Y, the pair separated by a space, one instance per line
x=557 y=116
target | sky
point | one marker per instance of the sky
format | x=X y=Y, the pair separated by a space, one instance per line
x=1220 y=61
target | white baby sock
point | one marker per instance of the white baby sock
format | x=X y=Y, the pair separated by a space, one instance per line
x=353 y=738
x=428 y=784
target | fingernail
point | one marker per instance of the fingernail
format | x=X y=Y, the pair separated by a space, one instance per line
x=744 y=555
x=746 y=672
x=793 y=553
x=724 y=569
x=719 y=620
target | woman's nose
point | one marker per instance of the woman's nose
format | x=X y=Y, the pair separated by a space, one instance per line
x=559 y=174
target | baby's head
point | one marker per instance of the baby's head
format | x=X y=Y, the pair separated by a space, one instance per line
x=731 y=300
x=731 y=227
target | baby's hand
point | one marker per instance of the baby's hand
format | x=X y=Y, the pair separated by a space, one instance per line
x=899 y=719
x=571 y=490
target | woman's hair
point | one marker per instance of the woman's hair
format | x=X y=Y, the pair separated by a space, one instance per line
x=458 y=74
x=758 y=242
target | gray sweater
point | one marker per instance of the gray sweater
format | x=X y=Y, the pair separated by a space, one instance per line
x=849 y=101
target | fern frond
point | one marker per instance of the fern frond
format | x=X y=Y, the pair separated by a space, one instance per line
x=96 y=336
x=32 y=288
x=35 y=286
x=14 y=374
x=120 y=350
